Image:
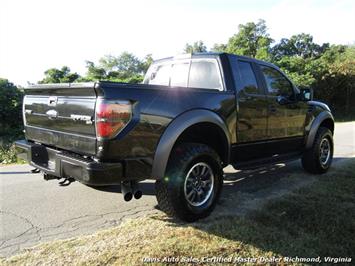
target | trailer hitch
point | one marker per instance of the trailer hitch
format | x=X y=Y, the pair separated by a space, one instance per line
x=35 y=170
x=66 y=182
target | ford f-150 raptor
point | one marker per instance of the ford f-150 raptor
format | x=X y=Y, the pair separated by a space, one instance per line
x=191 y=116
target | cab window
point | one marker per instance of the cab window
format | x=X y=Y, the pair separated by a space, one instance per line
x=205 y=74
x=276 y=83
x=180 y=74
x=247 y=78
x=194 y=73
x=158 y=75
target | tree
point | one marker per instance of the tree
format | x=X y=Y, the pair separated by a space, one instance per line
x=219 y=47
x=94 y=72
x=148 y=60
x=123 y=68
x=251 y=40
x=301 y=45
x=298 y=56
x=55 y=75
x=196 y=47
x=10 y=109
x=329 y=70
x=297 y=69
x=126 y=64
x=336 y=83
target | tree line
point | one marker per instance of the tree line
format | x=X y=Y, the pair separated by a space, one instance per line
x=328 y=69
x=125 y=67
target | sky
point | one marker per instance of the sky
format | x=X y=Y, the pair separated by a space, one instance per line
x=40 y=34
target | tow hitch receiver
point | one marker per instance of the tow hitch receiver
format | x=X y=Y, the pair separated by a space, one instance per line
x=64 y=183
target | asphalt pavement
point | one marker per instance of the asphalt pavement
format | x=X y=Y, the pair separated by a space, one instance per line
x=33 y=210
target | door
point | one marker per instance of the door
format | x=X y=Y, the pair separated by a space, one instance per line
x=286 y=115
x=252 y=105
x=251 y=111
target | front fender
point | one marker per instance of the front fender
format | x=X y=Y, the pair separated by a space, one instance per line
x=321 y=117
x=175 y=129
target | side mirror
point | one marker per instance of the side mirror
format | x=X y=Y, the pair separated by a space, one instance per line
x=306 y=94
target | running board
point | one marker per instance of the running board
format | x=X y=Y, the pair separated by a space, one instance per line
x=277 y=158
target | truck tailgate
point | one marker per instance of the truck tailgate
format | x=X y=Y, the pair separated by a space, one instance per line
x=61 y=115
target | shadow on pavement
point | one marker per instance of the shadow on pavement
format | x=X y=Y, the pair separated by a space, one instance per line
x=243 y=180
x=15 y=173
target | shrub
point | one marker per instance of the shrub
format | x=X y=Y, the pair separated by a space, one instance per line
x=10 y=111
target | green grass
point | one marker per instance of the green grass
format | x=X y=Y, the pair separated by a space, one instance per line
x=316 y=220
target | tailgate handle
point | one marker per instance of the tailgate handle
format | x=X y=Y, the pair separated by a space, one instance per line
x=52 y=114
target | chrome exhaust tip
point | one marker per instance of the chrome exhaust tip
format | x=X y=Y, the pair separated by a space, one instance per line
x=138 y=194
x=130 y=189
x=128 y=196
x=126 y=190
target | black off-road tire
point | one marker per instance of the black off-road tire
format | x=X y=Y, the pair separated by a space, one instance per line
x=311 y=159
x=170 y=190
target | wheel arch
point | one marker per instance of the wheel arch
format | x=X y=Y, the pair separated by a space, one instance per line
x=324 y=119
x=199 y=125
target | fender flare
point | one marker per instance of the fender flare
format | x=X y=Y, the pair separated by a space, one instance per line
x=315 y=125
x=175 y=129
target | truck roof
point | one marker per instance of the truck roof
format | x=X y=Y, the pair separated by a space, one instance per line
x=189 y=55
x=209 y=54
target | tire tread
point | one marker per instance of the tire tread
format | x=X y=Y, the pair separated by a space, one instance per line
x=310 y=158
x=168 y=199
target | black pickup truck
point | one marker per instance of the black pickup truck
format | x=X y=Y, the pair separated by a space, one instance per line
x=192 y=116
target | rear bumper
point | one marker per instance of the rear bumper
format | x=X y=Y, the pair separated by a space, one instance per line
x=68 y=165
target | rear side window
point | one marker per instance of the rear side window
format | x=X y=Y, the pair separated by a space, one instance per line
x=247 y=77
x=180 y=74
x=204 y=73
x=195 y=73
x=158 y=75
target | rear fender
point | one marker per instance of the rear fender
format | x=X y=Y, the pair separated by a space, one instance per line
x=175 y=129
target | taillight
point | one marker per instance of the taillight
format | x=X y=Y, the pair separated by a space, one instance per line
x=111 y=117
